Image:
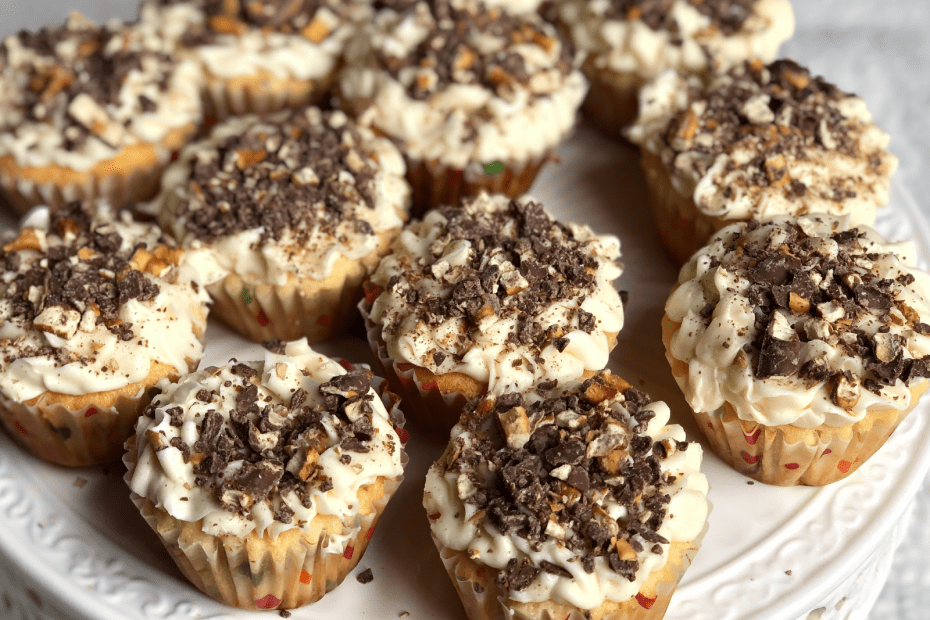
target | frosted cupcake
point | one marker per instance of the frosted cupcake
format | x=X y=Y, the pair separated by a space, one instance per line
x=260 y=56
x=475 y=98
x=93 y=312
x=490 y=296
x=264 y=480
x=580 y=501
x=88 y=112
x=284 y=218
x=800 y=344
x=631 y=42
x=756 y=142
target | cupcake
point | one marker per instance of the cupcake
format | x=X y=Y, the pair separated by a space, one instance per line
x=475 y=98
x=264 y=480
x=488 y=296
x=90 y=112
x=260 y=56
x=631 y=42
x=284 y=218
x=94 y=311
x=756 y=142
x=579 y=501
x=800 y=344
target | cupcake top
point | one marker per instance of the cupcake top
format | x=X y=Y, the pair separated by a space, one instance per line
x=574 y=494
x=647 y=37
x=497 y=290
x=761 y=140
x=801 y=321
x=462 y=85
x=93 y=304
x=284 y=197
x=269 y=446
x=79 y=94
x=300 y=39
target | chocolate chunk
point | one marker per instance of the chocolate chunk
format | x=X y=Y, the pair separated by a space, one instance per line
x=356 y=381
x=136 y=286
x=578 y=478
x=771 y=270
x=567 y=452
x=366 y=576
x=276 y=346
x=586 y=321
x=177 y=442
x=517 y=575
x=554 y=569
x=243 y=370
x=778 y=358
x=560 y=344
x=258 y=479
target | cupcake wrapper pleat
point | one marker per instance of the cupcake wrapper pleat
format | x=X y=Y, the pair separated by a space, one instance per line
x=428 y=409
x=261 y=95
x=787 y=455
x=483 y=599
x=612 y=102
x=119 y=186
x=435 y=185
x=91 y=435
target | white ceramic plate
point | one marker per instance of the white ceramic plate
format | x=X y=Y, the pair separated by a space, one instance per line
x=74 y=547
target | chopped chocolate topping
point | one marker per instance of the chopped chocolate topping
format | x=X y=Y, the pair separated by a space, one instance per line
x=224 y=18
x=455 y=50
x=307 y=174
x=270 y=455
x=727 y=16
x=806 y=286
x=783 y=114
x=77 y=81
x=80 y=281
x=547 y=476
x=520 y=263
x=366 y=576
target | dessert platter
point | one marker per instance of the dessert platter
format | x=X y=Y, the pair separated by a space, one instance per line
x=74 y=546
x=475 y=336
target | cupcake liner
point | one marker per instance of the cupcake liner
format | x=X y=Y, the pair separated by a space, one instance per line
x=317 y=309
x=262 y=93
x=683 y=229
x=77 y=431
x=787 y=455
x=483 y=599
x=132 y=176
x=434 y=184
x=612 y=102
x=261 y=573
x=429 y=410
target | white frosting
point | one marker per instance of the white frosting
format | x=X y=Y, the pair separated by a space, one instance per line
x=165 y=329
x=455 y=524
x=710 y=350
x=460 y=125
x=258 y=51
x=514 y=7
x=164 y=478
x=490 y=357
x=123 y=121
x=837 y=182
x=285 y=260
x=631 y=46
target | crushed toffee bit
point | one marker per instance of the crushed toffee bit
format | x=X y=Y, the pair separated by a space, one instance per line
x=520 y=263
x=306 y=174
x=545 y=470
x=727 y=16
x=456 y=52
x=804 y=287
x=276 y=458
x=79 y=282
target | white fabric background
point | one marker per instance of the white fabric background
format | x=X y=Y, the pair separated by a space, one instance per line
x=879 y=49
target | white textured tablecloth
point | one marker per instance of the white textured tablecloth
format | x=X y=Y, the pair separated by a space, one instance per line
x=879 y=49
